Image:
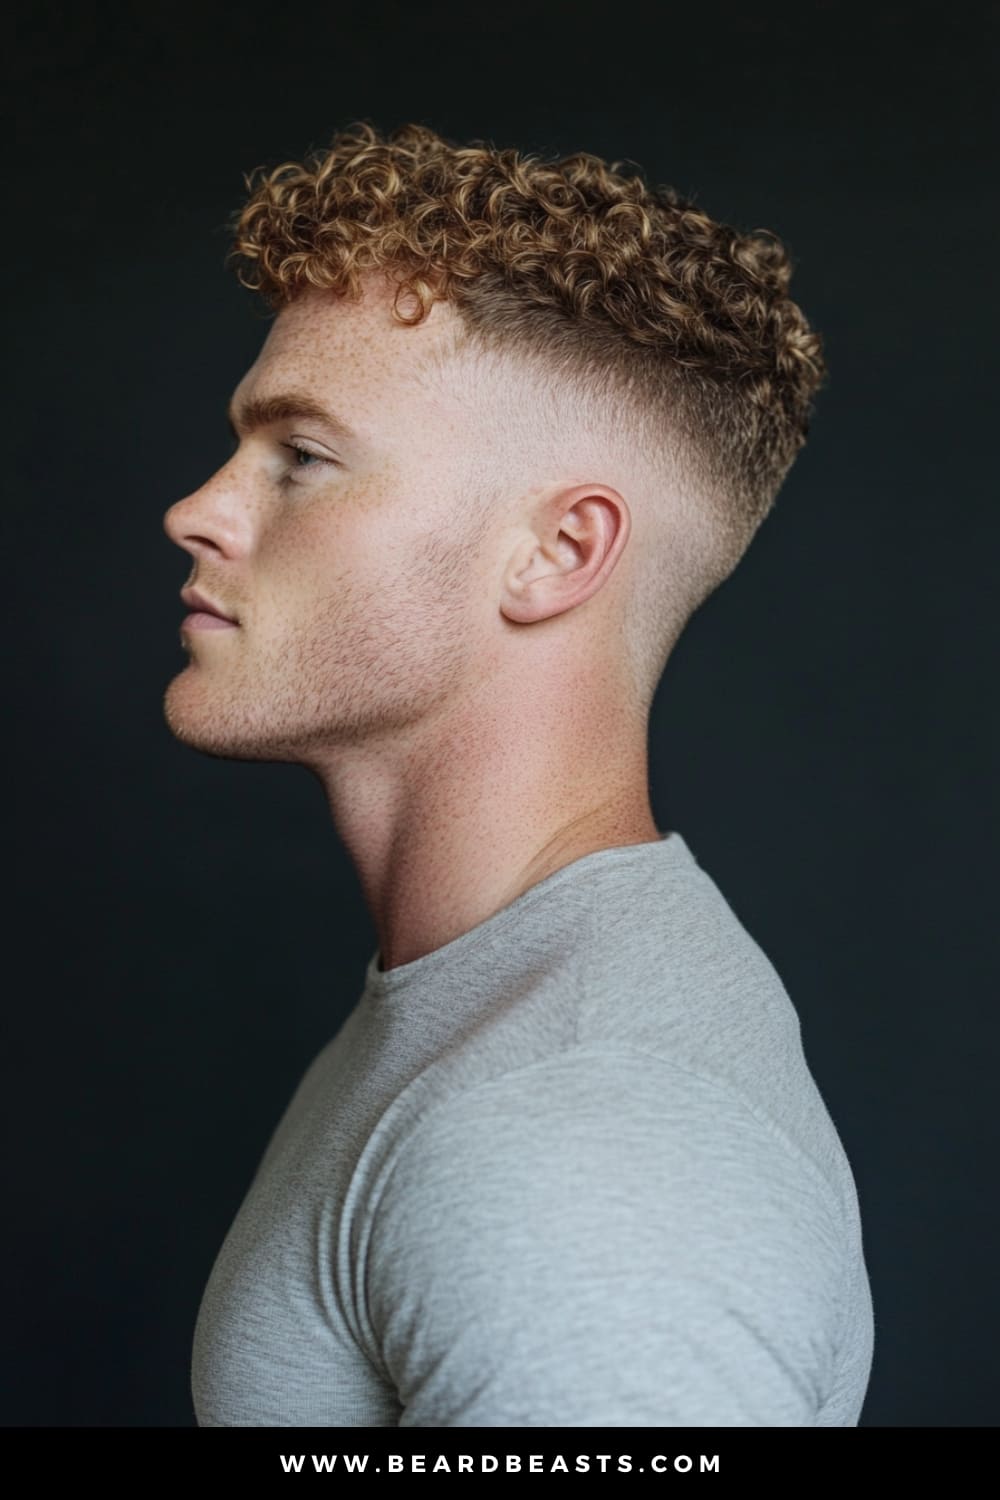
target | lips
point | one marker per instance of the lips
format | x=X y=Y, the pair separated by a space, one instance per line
x=197 y=601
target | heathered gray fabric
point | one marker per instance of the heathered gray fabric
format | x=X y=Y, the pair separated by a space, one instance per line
x=570 y=1169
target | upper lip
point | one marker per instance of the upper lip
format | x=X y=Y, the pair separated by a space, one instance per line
x=194 y=600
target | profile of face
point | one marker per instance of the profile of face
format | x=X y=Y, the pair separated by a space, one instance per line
x=346 y=551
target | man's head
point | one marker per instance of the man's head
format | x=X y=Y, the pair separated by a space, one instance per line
x=565 y=401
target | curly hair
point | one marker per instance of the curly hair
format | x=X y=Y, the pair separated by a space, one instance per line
x=685 y=320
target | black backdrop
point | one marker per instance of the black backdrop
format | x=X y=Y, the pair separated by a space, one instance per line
x=185 y=933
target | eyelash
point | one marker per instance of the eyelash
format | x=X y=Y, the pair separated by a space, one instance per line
x=296 y=448
x=317 y=460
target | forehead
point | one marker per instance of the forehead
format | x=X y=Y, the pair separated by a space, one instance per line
x=360 y=358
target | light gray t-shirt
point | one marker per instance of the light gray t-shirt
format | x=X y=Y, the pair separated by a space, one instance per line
x=569 y=1169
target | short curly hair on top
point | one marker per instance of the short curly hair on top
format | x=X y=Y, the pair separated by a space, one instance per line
x=684 y=321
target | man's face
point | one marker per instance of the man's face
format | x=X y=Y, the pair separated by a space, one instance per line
x=356 y=566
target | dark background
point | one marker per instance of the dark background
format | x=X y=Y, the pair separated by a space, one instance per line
x=185 y=933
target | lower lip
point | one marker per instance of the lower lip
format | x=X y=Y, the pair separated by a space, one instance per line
x=202 y=621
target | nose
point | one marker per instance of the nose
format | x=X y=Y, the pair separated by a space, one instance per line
x=210 y=519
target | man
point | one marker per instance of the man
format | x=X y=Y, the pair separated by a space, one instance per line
x=565 y=1162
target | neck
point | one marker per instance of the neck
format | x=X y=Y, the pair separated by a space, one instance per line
x=473 y=808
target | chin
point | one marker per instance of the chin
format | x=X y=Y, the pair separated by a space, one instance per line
x=195 y=721
x=193 y=729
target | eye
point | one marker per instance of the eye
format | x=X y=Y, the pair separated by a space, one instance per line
x=314 y=459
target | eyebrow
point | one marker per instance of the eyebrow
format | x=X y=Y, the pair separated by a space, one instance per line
x=283 y=406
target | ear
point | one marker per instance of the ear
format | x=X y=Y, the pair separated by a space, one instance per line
x=573 y=542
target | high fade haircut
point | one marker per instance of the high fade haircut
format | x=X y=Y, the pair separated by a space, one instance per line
x=678 y=326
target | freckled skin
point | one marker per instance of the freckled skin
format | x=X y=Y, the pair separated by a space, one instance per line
x=431 y=628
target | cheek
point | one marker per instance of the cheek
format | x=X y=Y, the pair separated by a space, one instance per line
x=310 y=547
x=348 y=524
x=334 y=587
x=383 y=556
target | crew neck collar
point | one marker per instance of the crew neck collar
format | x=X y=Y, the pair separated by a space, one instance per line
x=396 y=983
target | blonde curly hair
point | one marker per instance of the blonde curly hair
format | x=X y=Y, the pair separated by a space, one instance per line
x=685 y=321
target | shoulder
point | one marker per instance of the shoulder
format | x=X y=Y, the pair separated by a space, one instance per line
x=594 y=1105
x=608 y=1201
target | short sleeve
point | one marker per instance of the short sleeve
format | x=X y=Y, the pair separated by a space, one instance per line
x=603 y=1239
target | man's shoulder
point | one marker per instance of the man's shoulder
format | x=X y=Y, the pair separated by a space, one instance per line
x=566 y=1203
x=591 y=1116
